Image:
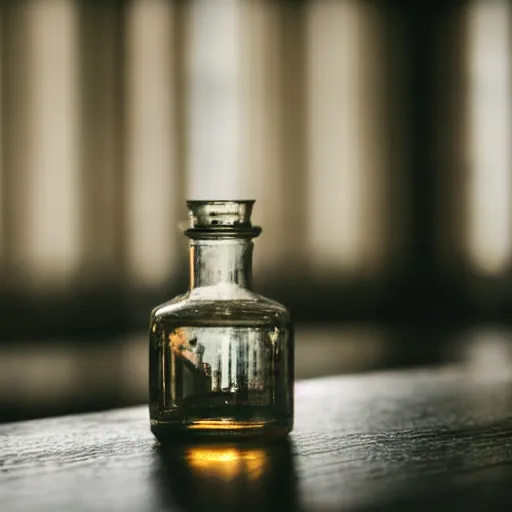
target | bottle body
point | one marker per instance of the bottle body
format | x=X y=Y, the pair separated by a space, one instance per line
x=221 y=356
x=221 y=368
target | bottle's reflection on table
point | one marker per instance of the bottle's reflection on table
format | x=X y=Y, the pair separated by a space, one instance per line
x=239 y=476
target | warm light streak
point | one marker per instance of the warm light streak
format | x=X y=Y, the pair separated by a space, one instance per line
x=225 y=425
x=228 y=463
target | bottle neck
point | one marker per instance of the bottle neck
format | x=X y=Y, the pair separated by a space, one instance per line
x=227 y=261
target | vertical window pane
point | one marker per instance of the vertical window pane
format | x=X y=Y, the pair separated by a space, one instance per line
x=213 y=78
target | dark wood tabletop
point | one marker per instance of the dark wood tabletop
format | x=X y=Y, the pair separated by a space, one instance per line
x=403 y=440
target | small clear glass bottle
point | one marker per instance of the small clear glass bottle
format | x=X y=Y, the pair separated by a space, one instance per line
x=221 y=356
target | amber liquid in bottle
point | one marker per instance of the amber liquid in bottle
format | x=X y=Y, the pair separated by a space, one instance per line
x=221 y=356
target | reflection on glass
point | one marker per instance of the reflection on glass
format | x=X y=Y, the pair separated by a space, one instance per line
x=227 y=476
x=490 y=186
x=209 y=373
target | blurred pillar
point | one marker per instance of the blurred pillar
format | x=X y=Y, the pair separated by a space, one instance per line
x=102 y=130
x=42 y=120
x=451 y=123
x=348 y=222
x=489 y=137
x=154 y=184
x=475 y=218
x=2 y=176
x=423 y=90
x=294 y=141
x=14 y=149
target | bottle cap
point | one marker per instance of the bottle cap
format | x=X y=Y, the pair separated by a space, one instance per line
x=228 y=217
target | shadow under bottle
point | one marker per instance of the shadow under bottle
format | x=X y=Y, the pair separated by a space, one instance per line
x=227 y=476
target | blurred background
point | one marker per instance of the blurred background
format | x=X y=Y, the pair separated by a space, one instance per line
x=375 y=137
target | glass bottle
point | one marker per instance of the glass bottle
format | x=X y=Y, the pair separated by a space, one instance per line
x=221 y=356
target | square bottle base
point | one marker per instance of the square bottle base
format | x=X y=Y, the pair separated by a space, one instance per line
x=166 y=431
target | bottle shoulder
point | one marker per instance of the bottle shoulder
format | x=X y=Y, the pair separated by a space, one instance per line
x=240 y=308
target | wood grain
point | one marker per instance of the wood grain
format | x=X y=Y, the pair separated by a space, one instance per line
x=395 y=440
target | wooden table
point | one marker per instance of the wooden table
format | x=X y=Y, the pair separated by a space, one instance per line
x=406 y=440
